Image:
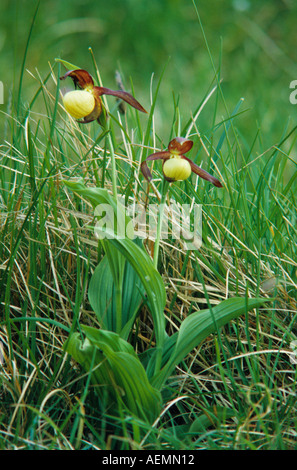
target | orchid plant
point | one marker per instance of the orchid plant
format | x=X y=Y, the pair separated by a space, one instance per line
x=127 y=277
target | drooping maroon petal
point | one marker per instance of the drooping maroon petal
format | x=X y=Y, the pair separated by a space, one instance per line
x=80 y=77
x=154 y=156
x=180 y=145
x=145 y=171
x=163 y=155
x=203 y=174
x=123 y=95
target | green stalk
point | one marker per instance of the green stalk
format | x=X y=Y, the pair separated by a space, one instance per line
x=160 y=219
x=113 y=163
x=113 y=166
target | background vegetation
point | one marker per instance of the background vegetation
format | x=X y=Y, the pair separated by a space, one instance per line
x=253 y=44
x=47 y=252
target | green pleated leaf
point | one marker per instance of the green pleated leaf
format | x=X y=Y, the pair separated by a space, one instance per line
x=198 y=326
x=212 y=417
x=116 y=369
x=151 y=280
x=106 y=340
x=92 y=360
x=100 y=197
x=102 y=295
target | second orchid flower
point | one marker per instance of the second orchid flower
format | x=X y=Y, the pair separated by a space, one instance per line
x=176 y=166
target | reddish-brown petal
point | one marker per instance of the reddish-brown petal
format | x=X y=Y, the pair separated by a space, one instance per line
x=122 y=95
x=163 y=155
x=154 y=156
x=203 y=174
x=145 y=171
x=80 y=77
x=180 y=145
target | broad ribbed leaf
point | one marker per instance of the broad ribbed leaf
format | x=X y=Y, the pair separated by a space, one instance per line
x=116 y=370
x=100 y=196
x=106 y=340
x=212 y=417
x=102 y=297
x=198 y=326
x=151 y=280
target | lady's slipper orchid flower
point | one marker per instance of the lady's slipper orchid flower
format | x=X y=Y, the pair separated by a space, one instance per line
x=85 y=102
x=177 y=167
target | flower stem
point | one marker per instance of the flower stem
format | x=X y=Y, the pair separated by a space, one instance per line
x=110 y=144
x=160 y=220
x=113 y=165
